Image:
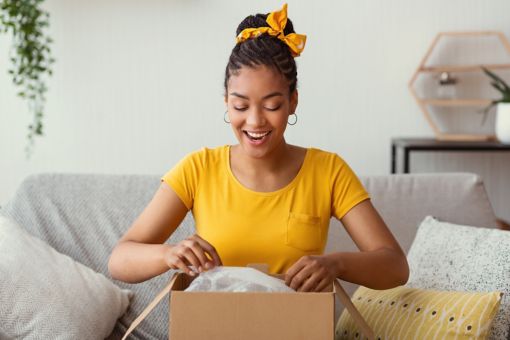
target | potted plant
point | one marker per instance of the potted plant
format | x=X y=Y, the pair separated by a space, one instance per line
x=503 y=107
x=30 y=56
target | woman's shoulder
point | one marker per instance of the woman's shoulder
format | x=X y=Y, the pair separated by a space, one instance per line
x=323 y=156
x=206 y=151
x=329 y=162
x=207 y=154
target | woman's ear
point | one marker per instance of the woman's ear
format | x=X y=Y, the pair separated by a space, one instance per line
x=293 y=101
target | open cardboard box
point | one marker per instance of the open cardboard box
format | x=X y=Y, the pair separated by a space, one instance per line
x=251 y=315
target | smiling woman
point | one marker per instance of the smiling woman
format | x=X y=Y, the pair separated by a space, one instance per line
x=262 y=200
x=258 y=104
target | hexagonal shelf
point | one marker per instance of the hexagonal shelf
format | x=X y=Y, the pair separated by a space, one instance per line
x=455 y=102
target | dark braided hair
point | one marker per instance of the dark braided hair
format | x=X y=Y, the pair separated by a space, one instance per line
x=264 y=50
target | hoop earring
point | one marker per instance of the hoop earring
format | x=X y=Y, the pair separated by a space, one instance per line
x=225 y=118
x=295 y=121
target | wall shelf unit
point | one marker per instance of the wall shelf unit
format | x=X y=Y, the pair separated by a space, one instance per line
x=426 y=103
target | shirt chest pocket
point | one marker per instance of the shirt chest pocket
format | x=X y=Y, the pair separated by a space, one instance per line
x=303 y=232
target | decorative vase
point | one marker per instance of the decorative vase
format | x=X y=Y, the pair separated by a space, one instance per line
x=503 y=123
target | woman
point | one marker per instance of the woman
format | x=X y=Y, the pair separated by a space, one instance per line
x=262 y=200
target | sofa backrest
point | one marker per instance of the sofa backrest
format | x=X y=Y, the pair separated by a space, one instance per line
x=84 y=216
x=404 y=200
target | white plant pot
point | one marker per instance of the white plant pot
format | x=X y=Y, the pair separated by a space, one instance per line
x=503 y=123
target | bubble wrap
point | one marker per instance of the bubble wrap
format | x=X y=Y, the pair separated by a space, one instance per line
x=237 y=279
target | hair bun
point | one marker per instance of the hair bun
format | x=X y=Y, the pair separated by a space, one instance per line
x=273 y=49
x=259 y=20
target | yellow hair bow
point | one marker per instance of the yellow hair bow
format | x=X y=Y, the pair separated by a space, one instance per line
x=277 y=21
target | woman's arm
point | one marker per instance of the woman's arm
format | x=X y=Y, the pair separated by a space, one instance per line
x=141 y=253
x=380 y=263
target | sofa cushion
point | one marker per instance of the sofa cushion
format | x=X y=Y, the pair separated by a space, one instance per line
x=412 y=313
x=84 y=216
x=448 y=256
x=47 y=295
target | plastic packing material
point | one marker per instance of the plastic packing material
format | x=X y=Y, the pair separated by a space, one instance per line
x=237 y=279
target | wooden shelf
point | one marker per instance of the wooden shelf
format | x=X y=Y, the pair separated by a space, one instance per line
x=456 y=102
x=464 y=137
x=425 y=104
x=462 y=68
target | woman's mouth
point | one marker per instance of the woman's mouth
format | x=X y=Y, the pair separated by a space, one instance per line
x=257 y=138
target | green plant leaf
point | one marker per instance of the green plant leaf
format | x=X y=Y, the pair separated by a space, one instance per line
x=30 y=55
x=486 y=110
x=497 y=80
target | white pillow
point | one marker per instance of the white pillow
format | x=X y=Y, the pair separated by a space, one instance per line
x=47 y=295
x=446 y=256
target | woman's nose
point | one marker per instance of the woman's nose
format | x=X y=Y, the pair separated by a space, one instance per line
x=256 y=118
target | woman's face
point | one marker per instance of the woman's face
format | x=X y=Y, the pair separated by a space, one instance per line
x=259 y=105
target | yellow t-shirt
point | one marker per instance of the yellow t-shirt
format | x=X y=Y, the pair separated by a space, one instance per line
x=277 y=227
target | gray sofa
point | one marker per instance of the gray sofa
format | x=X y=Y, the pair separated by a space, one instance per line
x=84 y=215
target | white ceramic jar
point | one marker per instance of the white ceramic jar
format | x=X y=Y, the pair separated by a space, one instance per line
x=503 y=123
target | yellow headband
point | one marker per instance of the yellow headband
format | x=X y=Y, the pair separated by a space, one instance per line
x=277 y=21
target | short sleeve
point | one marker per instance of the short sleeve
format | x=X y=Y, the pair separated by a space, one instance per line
x=184 y=177
x=347 y=189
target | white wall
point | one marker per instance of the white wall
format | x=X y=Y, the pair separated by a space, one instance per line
x=138 y=84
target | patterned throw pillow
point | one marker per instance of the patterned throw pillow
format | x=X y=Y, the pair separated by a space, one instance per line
x=446 y=256
x=411 y=313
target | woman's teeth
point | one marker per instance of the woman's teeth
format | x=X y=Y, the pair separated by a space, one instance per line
x=257 y=136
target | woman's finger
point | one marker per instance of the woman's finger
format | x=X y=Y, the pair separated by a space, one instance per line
x=304 y=273
x=189 y=255
x=177 y=263
x=199 y=252
x=211 y=251
x=299 y=279
x=310 y=283
x=293 y=270
x=322 y=285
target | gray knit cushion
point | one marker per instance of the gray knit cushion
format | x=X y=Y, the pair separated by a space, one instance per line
x=83 y=216
x=47 y=295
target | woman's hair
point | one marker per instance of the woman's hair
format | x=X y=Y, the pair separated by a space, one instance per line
x=264 y=50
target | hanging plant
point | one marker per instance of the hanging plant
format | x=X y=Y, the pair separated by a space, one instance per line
x=29 y=55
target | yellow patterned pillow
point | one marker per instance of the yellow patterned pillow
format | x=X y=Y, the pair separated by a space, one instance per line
x=411 y=313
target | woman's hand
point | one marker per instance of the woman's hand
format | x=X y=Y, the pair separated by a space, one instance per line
x=312 y=273
x=193 y=251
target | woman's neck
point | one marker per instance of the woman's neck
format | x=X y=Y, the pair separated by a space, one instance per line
x=270 y=163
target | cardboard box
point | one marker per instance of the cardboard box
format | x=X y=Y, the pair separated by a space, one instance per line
x=251 y=315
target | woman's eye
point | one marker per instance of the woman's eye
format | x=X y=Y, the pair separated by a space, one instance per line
x=273 y=109
x=267 y=108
